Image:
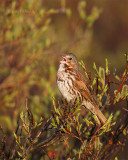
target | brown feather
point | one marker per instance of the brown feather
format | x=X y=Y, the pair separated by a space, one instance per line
x=72 y=84
x=90 y=104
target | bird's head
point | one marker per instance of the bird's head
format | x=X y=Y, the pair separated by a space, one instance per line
x=69 y=60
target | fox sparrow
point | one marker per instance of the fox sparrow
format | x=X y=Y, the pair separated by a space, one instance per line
x=72 y=85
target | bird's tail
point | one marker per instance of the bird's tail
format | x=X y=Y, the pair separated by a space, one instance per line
x=96 y=111
x=101 y=116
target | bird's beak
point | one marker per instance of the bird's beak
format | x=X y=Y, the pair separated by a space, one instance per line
x=63 y=60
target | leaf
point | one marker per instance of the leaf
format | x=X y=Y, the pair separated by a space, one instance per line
x=47 y=42
x=39 y=124
x=15 y=135
x=82 y=4
x=54 y=104
x=80 y=126
x=77 y=110
x=53 y=11
x=102 y=75
x=116 y=115
x=99 y=87
x=77 y=117
x=95 y=118
x=68 y=12
x=117 y=77
x=57 y=119
x=82 y=64
x=106 y=66
x=77 y=101
x=81 y=9
x=124 y=73
x=105 y=88
x=125 y=132
x=89 y=122
x=117 y=96
x=94 y=81
x=93 y=16
x=94 y=66
x=69 y=127
x=20 y=154
x=106 y=126
x=41 y=119
x=75 y=151
x=21 y=116
x=35 y=124
x=53 y=123
x=110 y=118
x=124 y=91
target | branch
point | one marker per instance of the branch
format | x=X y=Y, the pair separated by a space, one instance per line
x=43 y=143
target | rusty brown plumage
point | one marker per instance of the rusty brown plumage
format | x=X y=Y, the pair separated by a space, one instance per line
x=72 y=84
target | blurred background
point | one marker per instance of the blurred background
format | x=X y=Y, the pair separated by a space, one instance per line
x=33 y=35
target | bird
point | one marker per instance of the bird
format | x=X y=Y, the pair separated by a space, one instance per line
x=72 y=85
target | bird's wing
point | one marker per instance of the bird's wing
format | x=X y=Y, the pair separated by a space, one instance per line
x=89 y=103
x=80 y=84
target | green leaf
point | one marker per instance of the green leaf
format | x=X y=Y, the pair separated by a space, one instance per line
x=53 y=11
x=124 y=73
x=54 y=104
x=82 y=64
x=20 y=154
x=95 y=118
x=80 y=126
x=53 y=123
x=77 y=117
x=110 y=118
x=21 y=116
x=125 y=132
x=39 y=124
x=82 y=4
x=42 y=12
x=77 y=110
x=94 y=81
x=105 y=88
x=116 y=115
x=94 y=66
x=41 y=119
x=99 y=87
x=75 y=151
x=102 y=75
x=81 y=9
x=124 y=91
x=106 y=66
x=117 y=96
x=68 y=12
x=47 y=42
x=78 y=101
x=106 y=126
x=93 y=16
x=15 y=135
x=88 y=122
x=117 y=77
x=69 y=127
x=57 y=119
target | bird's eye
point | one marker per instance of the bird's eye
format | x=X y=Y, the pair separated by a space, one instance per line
x=70 y=58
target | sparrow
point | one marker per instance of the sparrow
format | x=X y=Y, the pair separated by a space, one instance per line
x=72 y=85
